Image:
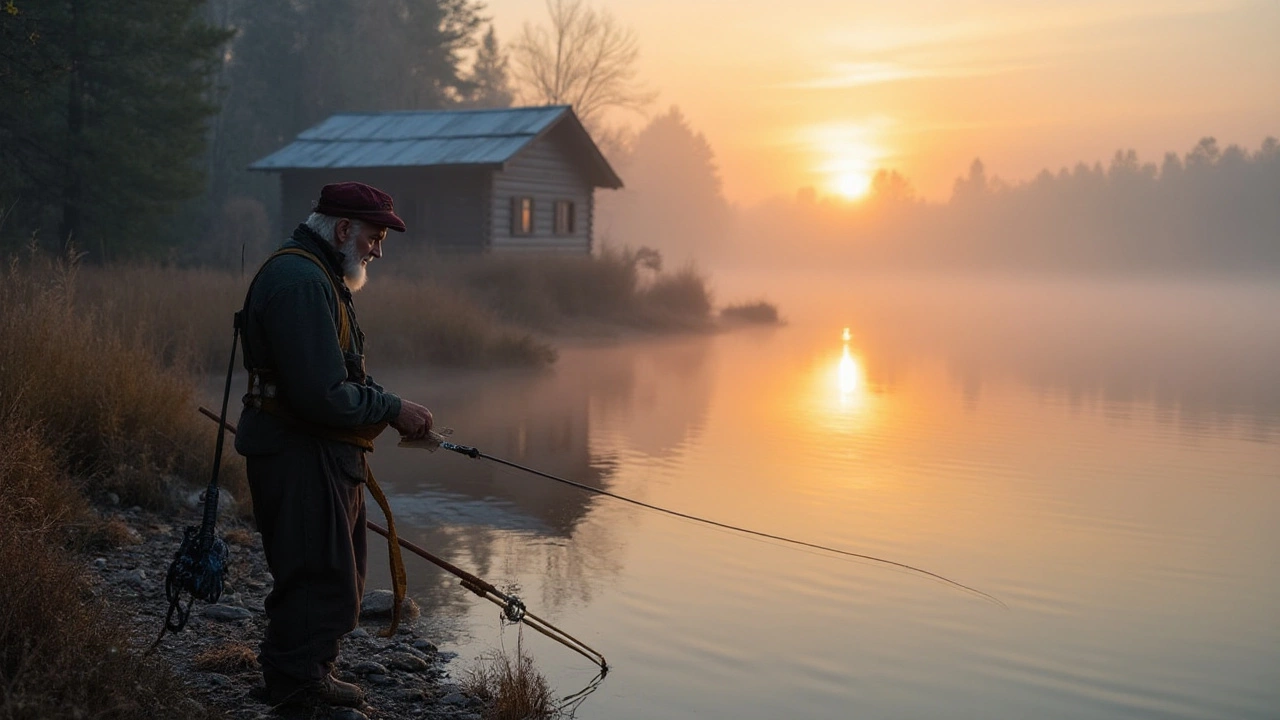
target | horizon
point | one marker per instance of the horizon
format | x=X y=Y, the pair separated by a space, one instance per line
x=838 y=92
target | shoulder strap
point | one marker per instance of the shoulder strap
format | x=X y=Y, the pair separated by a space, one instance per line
x=344 y=319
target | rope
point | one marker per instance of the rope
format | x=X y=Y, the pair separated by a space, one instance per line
x=472 y=452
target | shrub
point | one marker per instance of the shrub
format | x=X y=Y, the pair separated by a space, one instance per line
x=759 y=312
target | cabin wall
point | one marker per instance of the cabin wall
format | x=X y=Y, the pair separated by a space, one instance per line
x=443 y=208
x=545 y=172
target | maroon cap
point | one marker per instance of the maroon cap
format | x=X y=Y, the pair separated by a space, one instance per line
x=359 y=202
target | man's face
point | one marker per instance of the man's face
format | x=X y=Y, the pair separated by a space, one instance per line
x=359 y=243
x=368 y=239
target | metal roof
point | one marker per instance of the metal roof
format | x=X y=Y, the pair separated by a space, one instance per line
x=415 y=138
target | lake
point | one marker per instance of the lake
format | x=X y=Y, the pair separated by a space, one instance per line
x=1103 y=457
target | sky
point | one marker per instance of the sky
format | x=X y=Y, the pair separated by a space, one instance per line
x=822 y=93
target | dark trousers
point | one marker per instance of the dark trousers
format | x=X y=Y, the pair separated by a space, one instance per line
x=309 y=506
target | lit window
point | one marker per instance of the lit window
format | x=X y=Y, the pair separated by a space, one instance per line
x=566 y=223
x=521 y=216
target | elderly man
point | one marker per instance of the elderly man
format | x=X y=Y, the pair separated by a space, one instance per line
x=310 y=415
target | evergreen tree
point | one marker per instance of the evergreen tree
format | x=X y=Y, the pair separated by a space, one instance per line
x=490 y=76
x=102 y=119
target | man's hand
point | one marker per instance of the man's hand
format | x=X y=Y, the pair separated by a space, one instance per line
x=413 y=422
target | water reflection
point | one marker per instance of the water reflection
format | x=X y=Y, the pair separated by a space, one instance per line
x=580 y=421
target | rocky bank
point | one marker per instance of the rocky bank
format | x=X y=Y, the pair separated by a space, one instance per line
x=404 y=676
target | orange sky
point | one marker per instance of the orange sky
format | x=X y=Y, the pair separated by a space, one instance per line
x=828 y=91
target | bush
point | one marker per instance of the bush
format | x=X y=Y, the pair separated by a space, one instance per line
x=759 y=312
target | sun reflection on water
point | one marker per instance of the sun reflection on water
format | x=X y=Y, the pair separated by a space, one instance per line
x=850 y=378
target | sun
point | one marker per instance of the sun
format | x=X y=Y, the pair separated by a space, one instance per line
x=852 y=185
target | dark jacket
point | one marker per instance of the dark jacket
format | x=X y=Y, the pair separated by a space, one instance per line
x=291 y=330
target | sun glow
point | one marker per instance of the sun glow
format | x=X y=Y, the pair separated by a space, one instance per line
x=847 y=156
x=852 y=186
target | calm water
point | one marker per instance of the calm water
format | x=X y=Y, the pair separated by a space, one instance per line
x=1104 y=458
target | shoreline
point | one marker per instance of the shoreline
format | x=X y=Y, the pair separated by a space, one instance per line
x=404 y=676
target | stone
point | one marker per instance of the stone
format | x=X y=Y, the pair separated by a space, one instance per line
x=369 y=667
x=358 y=634
x=377 y=604
x=425 y=646
x=99 y=563
x=404 y=661
x=347 y=714
x=381 y=679
x=455 y=698
x=136 y=579
x=226 y=613
x=411 y=695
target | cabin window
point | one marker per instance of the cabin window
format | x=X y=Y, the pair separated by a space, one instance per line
x=566 y=222
x=521 y=216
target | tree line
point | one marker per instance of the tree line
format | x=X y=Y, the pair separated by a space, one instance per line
x=1209 y=209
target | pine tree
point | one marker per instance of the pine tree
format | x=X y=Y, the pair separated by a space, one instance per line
x=102 y=119
x=490 y=77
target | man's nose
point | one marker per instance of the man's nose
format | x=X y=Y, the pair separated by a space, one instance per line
x=376 y=250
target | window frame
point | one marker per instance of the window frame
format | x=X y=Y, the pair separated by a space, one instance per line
x=565 y=219
x=522 y=223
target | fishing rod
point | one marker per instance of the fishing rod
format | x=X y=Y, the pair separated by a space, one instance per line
x=438 y=440
x=513 y=608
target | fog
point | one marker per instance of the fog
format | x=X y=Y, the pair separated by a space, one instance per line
x=1207 y=211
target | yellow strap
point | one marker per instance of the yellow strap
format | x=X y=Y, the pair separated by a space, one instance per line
x=344 y=320
x=393 y=551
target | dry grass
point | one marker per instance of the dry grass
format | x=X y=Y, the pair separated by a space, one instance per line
x=511 y=687
x=61 y=654
x=228 y=658
x=113 y=413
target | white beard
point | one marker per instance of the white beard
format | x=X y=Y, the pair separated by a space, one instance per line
x=353 y=269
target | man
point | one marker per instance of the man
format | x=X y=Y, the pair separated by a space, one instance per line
x=309 y=417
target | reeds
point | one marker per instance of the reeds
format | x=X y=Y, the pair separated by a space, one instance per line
x=510 y=686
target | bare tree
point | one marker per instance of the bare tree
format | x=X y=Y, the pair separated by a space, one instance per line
x=584 y=59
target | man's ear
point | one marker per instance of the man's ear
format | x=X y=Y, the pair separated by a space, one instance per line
x=340 y=230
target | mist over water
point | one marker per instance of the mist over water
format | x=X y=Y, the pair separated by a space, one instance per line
x=1102 y=455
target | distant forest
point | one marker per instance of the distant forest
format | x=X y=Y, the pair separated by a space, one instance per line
x=1212 y=209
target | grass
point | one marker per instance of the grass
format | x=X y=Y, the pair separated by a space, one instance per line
x=510 y=686
x=83 y=411
x=62 y=653
x=474 y=311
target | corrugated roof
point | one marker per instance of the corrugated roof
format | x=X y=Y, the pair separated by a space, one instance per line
x=414 y=138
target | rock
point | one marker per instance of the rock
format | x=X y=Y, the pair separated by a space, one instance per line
x=411 y=695
x=226 y=502
x=226 y=613
x=381 y=679
x=425 y=646
x=369 y=667
x=377 y=604
x=405 y=661
x=358 y=634
x=99 y=563
x=136 y=579
x=455 y=698
x=113 y=499
x=347 y=714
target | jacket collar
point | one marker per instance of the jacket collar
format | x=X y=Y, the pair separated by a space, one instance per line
x=308 y=240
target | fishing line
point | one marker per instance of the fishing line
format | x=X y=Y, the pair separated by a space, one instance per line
x=472 y=452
